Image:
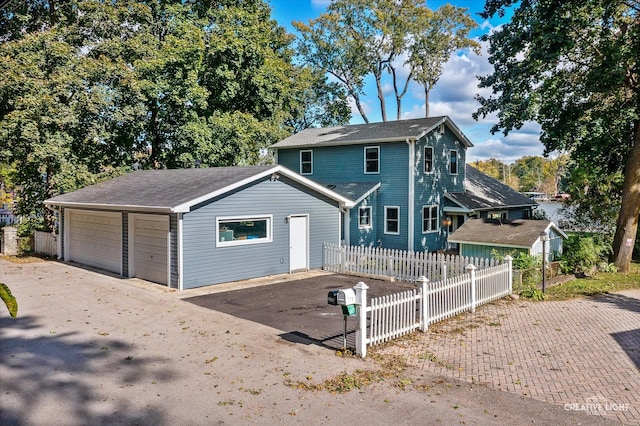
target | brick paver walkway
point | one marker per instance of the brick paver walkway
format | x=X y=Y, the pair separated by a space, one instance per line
x=583 y=354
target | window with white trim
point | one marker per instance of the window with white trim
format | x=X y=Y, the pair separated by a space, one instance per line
x=243 y=230
x=429 y=219
x=364 y=217
x=371 y=159
x=428 y=159
x=392 y=220
x=453 y=162
x=306 y=162
x=500 y=215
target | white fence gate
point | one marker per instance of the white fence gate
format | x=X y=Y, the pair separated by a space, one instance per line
x=399 y=264
x=45 y=243
x=398 y=314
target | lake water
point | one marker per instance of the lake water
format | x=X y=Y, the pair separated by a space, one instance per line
x=552 y=209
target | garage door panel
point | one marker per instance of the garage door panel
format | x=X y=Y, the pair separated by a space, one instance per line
x=150 y=247
x=95 y=239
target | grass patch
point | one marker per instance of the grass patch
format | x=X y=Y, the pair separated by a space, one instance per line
x=598 y=284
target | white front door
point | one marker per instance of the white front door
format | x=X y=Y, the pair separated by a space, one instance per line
x=298 y=243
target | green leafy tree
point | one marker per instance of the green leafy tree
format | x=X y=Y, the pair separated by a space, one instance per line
x=355 y=39
x=93 y=88
x=572 y=66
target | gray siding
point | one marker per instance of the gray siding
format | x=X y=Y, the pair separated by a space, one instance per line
x=205 y=264
x=125 y=244
x=173 y=252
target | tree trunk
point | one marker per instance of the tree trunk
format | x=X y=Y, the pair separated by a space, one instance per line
x=627 y=224
x=426 y=101
x=383 y=107
x=356 y=98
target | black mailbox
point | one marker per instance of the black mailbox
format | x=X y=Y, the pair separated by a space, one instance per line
x=332 y=297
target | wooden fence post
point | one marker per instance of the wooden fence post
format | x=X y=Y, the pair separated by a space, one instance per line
x=471 y=269
x=361 y=329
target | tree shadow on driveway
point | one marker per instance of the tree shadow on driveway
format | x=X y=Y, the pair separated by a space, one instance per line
x=65 y=373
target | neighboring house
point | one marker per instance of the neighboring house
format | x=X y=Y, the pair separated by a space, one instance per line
x=194 y=227
x=487 y=237
x=7 y=217
x=408 y=180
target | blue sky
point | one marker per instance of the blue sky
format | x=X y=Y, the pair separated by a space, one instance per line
x=453 y=95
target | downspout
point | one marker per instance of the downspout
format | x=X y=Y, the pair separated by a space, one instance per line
x=411 y=196
x=347 y=230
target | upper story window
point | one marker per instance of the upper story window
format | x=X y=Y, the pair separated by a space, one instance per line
x=500 y=215
x=429 y=219
x=372 y=159
x=364 y=217
x=392 y=220
x=428 y=159
x=453 y=162
x=306 y=162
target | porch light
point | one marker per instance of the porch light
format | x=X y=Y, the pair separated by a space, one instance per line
x=446 y=222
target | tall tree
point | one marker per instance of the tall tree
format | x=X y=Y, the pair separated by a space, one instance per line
x=404 y=41
x=91 y=88
x=573 y=66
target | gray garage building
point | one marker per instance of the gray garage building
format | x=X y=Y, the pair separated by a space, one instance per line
x=189 y=228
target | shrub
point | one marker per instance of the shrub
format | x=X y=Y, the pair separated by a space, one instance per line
x=583 y=253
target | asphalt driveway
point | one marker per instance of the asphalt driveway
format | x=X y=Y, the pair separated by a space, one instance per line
x=298 y=308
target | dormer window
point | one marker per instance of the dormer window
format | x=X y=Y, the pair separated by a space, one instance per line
x=371 y=159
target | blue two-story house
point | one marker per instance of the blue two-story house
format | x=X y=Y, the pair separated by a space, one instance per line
x=407 y=179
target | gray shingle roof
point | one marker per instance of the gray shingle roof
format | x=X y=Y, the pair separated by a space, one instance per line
x=170 y=190
x=482 y=192
x=354 y=190
x=389 y=131
x=515 y=233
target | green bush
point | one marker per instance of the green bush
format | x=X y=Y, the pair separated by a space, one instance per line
x=531 y=291
x=583 y=252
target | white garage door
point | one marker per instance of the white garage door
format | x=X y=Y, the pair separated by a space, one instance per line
x=95 y=239
x=149 y=247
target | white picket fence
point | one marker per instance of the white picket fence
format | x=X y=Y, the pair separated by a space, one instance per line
x=399 y=264
x=45 y=243
x=393 y=315
x=398 y=314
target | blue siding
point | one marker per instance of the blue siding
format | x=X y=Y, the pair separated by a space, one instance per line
x=431 y=187
x=365 y=237
x=486 y=252
x=340 y=164
x=205 y=264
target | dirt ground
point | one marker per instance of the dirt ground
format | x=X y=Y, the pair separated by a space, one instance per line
x=88 y=348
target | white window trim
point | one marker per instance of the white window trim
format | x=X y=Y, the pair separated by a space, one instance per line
x=377 y=148
x=430 y=206
x=386 y=208
x=267 y=217
x=370 y=225
x=310 y=151
x=498 y=212
x=457 y=161
x=424 y=160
